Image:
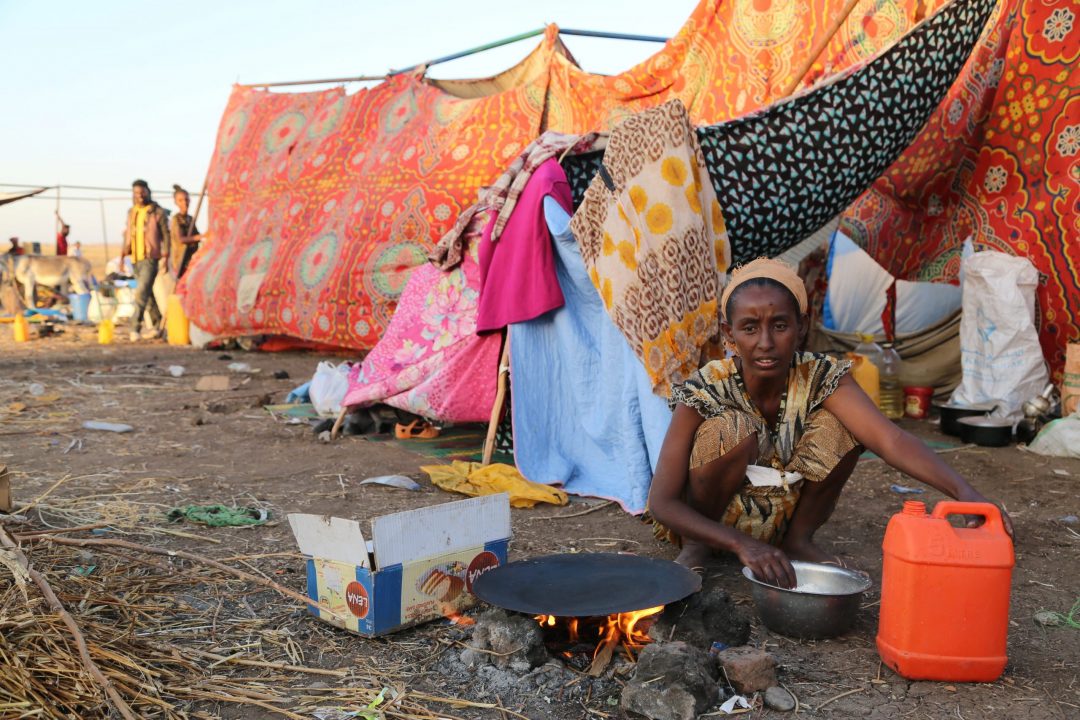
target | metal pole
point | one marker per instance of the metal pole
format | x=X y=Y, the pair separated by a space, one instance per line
x=470 y=51
x=56 y=221
x=104 y=231
x=465 y=53
x=359 y=78
x=67 y=187
x=613 y=36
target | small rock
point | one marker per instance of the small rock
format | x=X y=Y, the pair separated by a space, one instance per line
x=703 y=619
x=281 y=375
x=748 y=669
x=1047 y=618
x=777 y=698
x=1069 y=519
x=507 y=642
x=672 y=681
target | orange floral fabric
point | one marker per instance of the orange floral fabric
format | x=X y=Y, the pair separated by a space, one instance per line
x=731 y=57
x=999 y=162
x=323 y=203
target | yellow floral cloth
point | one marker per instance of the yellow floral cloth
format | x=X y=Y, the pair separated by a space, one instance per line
x=656 y=245
x=471 y=478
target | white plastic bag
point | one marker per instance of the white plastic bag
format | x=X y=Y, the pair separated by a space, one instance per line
x=999 y=345
x=1060 y=438
x=328 y=388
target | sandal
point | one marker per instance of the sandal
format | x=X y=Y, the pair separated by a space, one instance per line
x=416 y=430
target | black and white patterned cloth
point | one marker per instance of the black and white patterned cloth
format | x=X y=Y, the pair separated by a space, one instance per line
x=784 y=171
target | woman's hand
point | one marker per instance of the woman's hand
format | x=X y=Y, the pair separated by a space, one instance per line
x=769 y=564
x=973 y=521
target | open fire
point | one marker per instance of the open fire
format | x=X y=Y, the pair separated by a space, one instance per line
x=596 y=640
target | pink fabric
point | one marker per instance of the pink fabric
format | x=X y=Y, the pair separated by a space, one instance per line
x=517 y=271
x=430 y=360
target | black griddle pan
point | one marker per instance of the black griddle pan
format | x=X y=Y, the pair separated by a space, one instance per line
x=585 y=584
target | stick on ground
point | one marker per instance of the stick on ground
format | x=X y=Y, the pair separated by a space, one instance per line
x=193 y=558
x=57 y=607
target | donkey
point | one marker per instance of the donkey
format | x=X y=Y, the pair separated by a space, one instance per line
x=51 y=270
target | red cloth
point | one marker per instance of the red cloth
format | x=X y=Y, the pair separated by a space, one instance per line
x=61 y=244
x=517 y=272
x=997 y=162
x=325 y=203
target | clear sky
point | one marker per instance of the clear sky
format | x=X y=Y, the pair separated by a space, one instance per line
x=99 y=93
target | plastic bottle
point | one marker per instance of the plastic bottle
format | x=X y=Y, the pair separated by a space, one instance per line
x=21 y=329
x=176 y=322
x=945 y=594
x=892 y=392
x=105 y=332
x=866 y=367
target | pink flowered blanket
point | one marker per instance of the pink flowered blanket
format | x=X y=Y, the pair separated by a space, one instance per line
x=430 y=360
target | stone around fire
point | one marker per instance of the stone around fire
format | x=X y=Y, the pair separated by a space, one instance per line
x=506 y=641
x=672 y=681
x=748 y=669
x=704 y=618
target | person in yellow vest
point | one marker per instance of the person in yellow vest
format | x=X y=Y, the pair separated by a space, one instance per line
x=146 y=240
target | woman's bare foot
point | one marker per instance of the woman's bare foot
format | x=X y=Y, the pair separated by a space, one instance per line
x=694 y=555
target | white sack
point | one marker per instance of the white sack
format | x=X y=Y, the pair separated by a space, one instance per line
x=999 y=346
x=1060 y=438
x=328 y=388
x=855 y=297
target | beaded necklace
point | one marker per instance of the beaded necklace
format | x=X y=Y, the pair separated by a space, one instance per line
x=773 y=429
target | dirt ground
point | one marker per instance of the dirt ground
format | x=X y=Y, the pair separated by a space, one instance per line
x=204 y=448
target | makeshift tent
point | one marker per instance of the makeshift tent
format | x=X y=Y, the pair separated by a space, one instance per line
x=325 y=202
x=999 y=161
x=10 y=197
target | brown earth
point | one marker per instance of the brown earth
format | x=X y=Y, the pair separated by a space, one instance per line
x=202 y=448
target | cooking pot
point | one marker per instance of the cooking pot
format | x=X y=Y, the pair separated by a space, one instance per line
x=823 y=604
x=585 y=584
x=986 y=431
x=951 y=413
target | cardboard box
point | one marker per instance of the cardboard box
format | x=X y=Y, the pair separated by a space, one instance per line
x=5 y=489
x=419 y=565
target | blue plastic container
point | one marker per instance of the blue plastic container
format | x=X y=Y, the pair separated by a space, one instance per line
x=80 y=306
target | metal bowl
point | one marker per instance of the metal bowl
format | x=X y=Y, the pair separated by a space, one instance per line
x=822 y=605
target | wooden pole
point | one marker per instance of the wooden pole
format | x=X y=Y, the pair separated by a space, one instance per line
x=198 y=203
x=104 y=231
x=500 y=400
x=812 y=57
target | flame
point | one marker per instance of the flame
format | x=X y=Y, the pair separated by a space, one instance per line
x=456 y=618
x=620 y=629
x=627 y=625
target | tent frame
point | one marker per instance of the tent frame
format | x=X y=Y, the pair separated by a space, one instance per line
x=461 y=54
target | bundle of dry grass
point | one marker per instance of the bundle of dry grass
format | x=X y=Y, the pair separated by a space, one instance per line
x=94 y=628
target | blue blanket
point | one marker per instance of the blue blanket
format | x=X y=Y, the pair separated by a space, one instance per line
x=583 y=412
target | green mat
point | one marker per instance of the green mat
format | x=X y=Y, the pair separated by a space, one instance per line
x=304 y=411
x=461 y=442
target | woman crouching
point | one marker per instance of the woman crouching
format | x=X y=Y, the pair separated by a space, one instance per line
x=742 y=427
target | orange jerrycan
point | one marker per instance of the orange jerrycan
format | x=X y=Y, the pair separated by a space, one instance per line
x=945 y=594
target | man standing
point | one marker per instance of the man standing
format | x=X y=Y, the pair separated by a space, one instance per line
x=146 y=240
x=62 y=232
